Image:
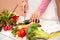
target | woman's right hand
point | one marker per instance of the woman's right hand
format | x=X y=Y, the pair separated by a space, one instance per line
x=35 y=16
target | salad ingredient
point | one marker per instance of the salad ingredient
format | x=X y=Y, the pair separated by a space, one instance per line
x=15 y=18
x=21 y=23
x=21 y=32
x=5 y=28
x=10 y=27
x=26 y=21
x=6 y=18
x=14 y=30
x=0 y=28
x=18 y=32
x=4 y=25
x=33 y=32
x=41 y=34
x=30 y=33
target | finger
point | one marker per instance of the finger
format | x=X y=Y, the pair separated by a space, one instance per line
x=35 y=17
x=38 y=19
x=31 y=18
x=38 y=16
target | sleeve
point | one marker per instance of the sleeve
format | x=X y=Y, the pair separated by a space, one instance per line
x=43 y=5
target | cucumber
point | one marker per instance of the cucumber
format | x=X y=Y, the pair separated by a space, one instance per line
x=0 y=29
x=26 y=22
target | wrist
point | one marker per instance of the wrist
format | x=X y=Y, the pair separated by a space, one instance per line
x=38 y=11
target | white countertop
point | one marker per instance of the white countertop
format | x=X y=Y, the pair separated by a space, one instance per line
x=49 y=27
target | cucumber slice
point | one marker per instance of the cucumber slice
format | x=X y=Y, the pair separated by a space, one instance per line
x=0 y=29
x=26 y=21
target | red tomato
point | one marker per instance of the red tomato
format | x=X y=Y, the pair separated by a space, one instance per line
x=18 y=29
x=22 y=33
x=18 y=32
x=21 y=29
x=15 y=18
x=24 y=29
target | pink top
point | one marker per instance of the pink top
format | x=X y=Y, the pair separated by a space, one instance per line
x=43 y=5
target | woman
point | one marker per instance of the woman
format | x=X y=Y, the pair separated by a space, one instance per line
x=43 y=7
x=46 y=13
x=40 y=10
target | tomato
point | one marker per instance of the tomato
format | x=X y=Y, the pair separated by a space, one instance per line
x=18 y=32
x=15 y=18
x=18 y=29
x=21 y=29
x=22 y=33
x=24 y=29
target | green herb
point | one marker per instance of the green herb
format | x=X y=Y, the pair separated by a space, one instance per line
x=13 y=31
x=41 y=34
x=0 y=28
x=31 y=31
x=5 y=17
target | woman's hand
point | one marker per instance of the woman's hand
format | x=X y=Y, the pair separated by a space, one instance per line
x=25 y=5
x=35 y=16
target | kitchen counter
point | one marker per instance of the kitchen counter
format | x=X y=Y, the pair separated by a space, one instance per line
x=47 y=25
x=5 y=37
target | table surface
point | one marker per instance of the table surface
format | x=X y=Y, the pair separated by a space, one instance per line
x=4 y=37
x=51 y=27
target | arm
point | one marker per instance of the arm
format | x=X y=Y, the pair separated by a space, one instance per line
x=58 y=8
x=25 y=3
x=43 y=5
x=22 y=7
x=36 y=15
